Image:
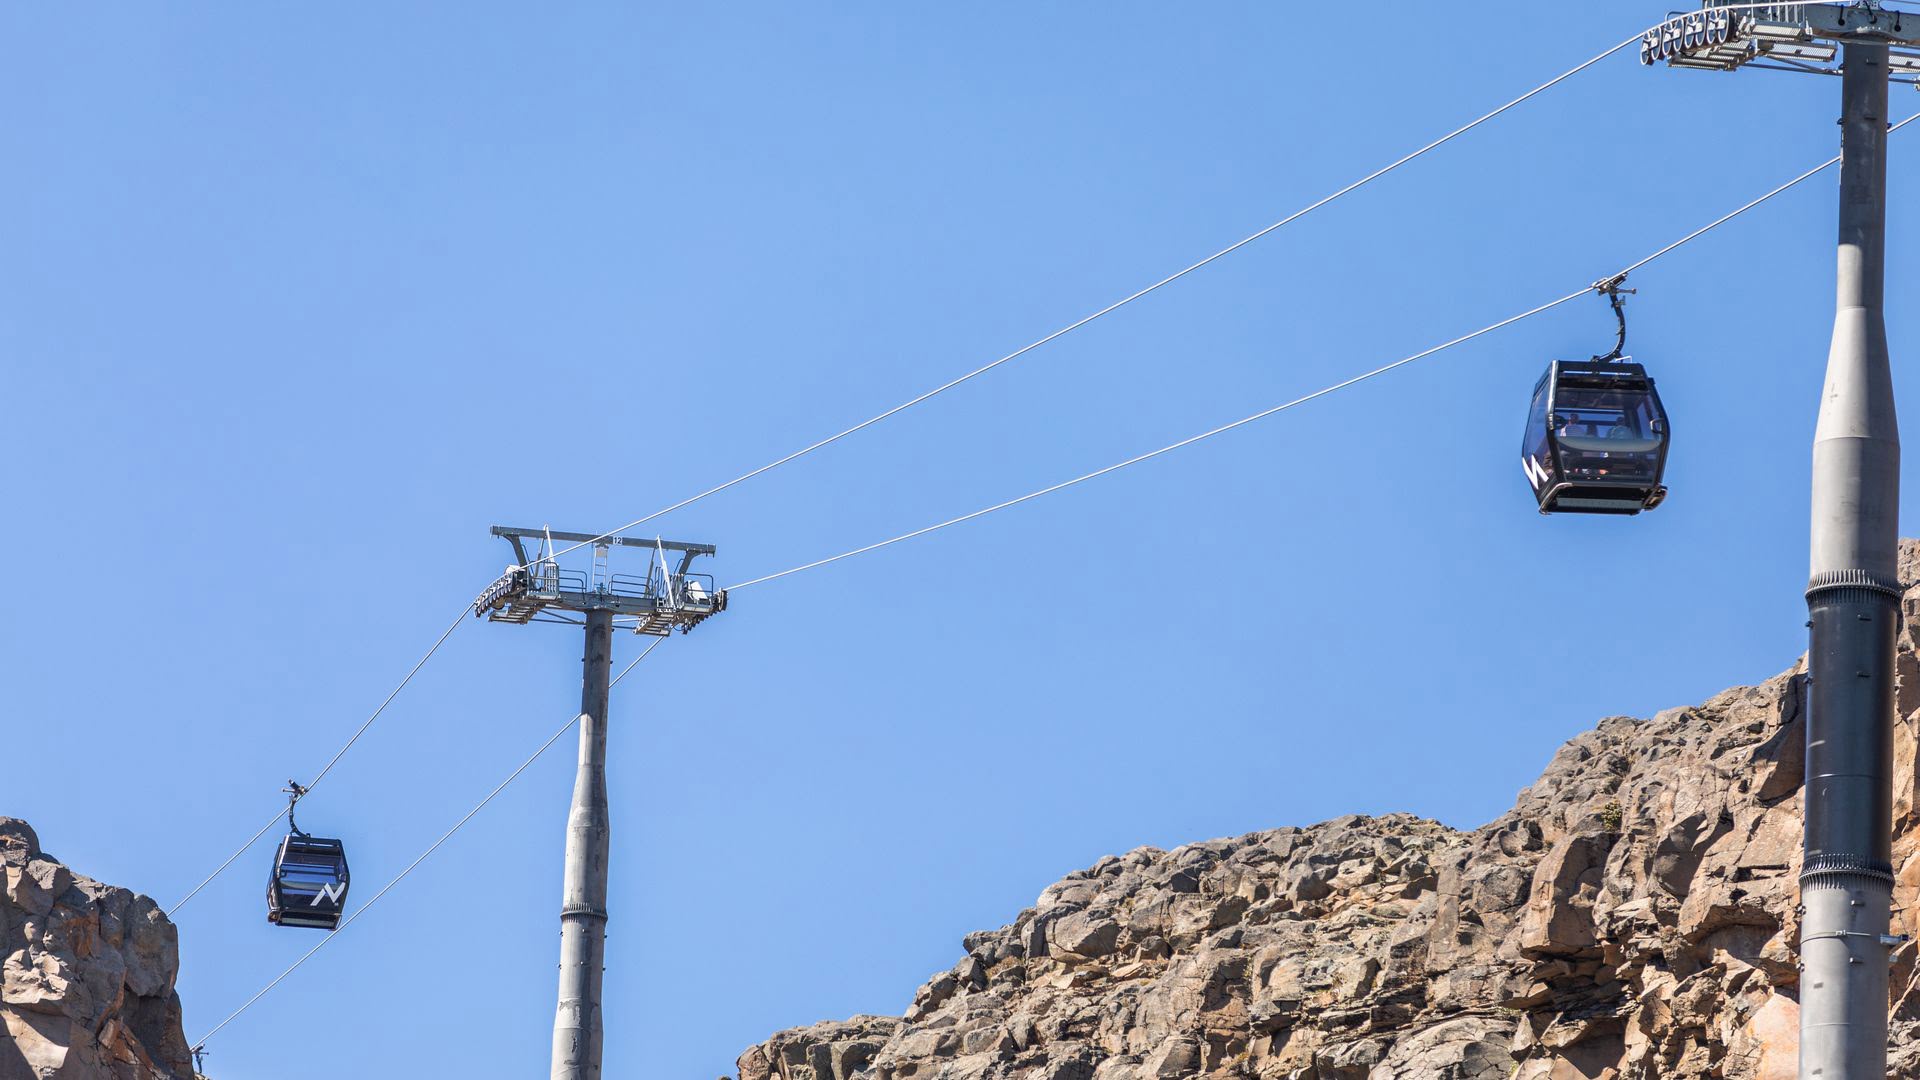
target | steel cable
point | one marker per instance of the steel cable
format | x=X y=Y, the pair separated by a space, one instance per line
x=1115 y=306
x=331 y=762
x=1169 y=279
x=1323 y=392
x=925 y=396
x=1383 y=369
x=401 y=876
x=1450 y=136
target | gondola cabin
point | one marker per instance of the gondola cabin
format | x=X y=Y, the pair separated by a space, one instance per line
x=308 y=886
x=1596 y=440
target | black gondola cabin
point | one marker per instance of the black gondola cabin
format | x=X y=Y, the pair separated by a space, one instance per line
x=308 y=886
x=1596 y=440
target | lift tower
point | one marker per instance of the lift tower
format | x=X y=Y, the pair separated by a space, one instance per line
x=538 y=589
x=1846 y=877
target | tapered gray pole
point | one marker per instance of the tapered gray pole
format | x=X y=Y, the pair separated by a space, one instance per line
x=1846 y=882
x=583 y=915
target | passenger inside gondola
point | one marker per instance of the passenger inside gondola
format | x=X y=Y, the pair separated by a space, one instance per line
x=1606 y=433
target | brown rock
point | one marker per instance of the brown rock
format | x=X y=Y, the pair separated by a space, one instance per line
x=1632 y=916
x=1559 y=914
x=1084 y=934
x=18 y=843
x=86 y=974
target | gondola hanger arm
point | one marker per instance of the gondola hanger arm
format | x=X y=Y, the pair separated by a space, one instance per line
x=1613 y=290
x=295 y=790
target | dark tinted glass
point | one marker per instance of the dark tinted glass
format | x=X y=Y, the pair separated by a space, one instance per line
x=1535 y=444
x=1605 y=414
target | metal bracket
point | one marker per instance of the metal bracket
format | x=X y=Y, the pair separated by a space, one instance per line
x=1891 y=941
x=295 y=791
x=663 y=600
x=509 y=533
x=1609 y=286
x=1610 y=290
x=1785 y=37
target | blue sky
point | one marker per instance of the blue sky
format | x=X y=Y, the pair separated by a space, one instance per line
x=295 y=304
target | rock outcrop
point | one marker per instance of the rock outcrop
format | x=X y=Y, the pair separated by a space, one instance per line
x=1633 y=916
x=86 y=974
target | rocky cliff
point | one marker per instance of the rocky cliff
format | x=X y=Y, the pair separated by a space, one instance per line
x=86 y=974
x=1631 y=917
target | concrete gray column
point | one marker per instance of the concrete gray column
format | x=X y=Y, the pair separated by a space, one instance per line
x=577 y=1028
x=1846 y=881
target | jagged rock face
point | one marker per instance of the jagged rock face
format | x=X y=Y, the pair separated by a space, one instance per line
x=1631 y=917
x=86 y=974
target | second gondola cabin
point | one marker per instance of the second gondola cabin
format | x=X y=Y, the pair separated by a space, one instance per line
x=308 y=885
x=1596 y=439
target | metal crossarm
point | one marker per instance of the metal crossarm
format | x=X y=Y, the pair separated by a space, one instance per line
x=515 y=536
x=1783 y=37
x=668 y=597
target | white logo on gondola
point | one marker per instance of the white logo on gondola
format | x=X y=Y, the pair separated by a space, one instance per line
x=330 y=893
x=1536 y=474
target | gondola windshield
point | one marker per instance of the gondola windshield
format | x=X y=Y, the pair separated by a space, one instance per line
x=1596 y=439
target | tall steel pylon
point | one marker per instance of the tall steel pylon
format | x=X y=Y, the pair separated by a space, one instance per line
x=665 y=598
x=1846 y=877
